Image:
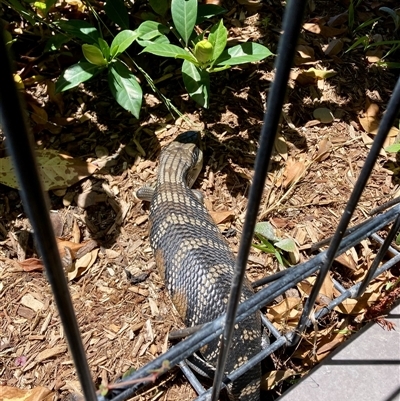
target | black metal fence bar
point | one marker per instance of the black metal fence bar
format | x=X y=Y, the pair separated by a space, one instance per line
x=35 y=204
x=379 y=257
x=296 y=274
x=384 y=127
x=204 y=395
x=35 y=201
x=191 y=378
x=392 y=249
x=351 y=292
x=338 y=286
x=246 y=366
x=284 y=339
x=273 y=330
x=292 y=23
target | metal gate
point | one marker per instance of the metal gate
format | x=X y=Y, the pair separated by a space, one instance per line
x=35 y=205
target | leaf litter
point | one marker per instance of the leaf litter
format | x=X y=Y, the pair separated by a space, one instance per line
x=125 y=324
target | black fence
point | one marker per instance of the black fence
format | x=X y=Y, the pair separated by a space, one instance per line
x=35 y=204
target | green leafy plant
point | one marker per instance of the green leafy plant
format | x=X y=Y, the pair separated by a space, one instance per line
x=270 y=243
x=366 y=40
x=394 y=148
x=201 y=54
x=99 y=56
x=394 y=15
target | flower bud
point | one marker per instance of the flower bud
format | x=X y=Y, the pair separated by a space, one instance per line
x=203 y=51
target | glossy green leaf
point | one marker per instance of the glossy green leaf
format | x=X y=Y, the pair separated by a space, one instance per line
x=117 y=12
x=80 y=29
x=393 y=148
x=363 y=40
x=286 y=244
x=266 y=230
x=366 y=23
x=75 y=75
x=151 y=29
x=168 y=50
x=94 y=55
x=218 y=37
x=158 y=40
x=152 y=32
x=206 y=11
x=243 y=53
x=125 y=88
x=279 y=258
x=184 y=15
x=197 y=83
x=266 y=246
x=122 y=41
x=105 y=49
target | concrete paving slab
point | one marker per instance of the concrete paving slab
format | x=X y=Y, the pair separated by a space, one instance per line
x=364 y=368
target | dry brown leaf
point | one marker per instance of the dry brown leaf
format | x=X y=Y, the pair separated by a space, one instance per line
x=335 y=47
x=88 y=246
x=323 y=150
x=370 y=122
x=83 y=264
x=312 y=27
x=373 y=59
x=372 y=109
x=328 y=344
x=338 y=20
x=346 y=259
x=368 y=141
x=39 y=115
x=306 y=52
x=31 y=264
x=56 y=170
x=74 y=247
x=302 y=79
x=221 y=216
x=285 y=314
x=293 y=171
x=327 y=289
x=56 y=98
x=356 y=306
x=274 y=377
x=320 y=74
x=34 y=80
x=9 y=393
x=323 y=30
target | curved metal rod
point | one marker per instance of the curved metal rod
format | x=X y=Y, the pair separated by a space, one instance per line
x=292 y=22
x=384 y=127
x=382 y=252
x=212 y=330
x=35 y=202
